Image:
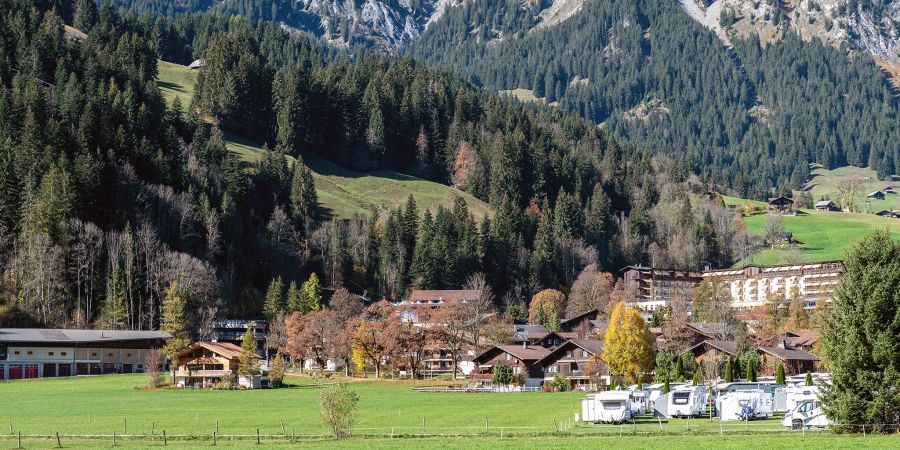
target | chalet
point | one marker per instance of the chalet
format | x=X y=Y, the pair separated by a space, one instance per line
x=877 y=195
x=795 y=361
x=714 y=350
x=529 y=334
x=570 y=359
x=889 y=190
x=521 y=358
x=554 y=339
x=196 y=64
x=232 y=331
x=702 y=331
x=801 y=340
x=40 y=353
x=205 y=364
x=827 y=205
x=889 y=214
x=580 y=322
x=781 y=205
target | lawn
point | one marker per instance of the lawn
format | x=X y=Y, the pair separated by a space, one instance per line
x=826 y=182
x=175 y=80
x=388 y=411
x=342 y=193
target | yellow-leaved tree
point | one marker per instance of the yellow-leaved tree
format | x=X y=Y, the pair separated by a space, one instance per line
x=628 y=346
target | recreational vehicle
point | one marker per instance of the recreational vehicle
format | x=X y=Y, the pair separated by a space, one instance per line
x=745 y=405
x=638 y=402
x=797 y=394
x=607 y=407
x=807 y=413
x=686 y=401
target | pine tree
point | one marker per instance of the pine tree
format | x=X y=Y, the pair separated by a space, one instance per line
x=779 y=374
x=751 y=370
x=808 y=381
x=860 y=336
x=247 y=360
x=304 y=200
x=729 y=371
x=697 y=379
x=173 y=320
x=113 y=314
x=275 y=302
x=10 y=192
x=666 y=387
x=311 y=295
x=679 y=369
x=85 y=15
x=294 y=302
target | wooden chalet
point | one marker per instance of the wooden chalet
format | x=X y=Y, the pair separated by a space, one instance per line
x=795 y=362
x=579 y=322
x=205 y=364
x=889 y=214
x=570 y=359
x=714 y=350
x=521 y=358
x=827 y=205
x=877 y=195
x=781 y=205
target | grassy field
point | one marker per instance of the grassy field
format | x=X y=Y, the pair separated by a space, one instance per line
x=175 y=80
x=387 y=412
x=342 y=192
x=824 y=236
x=826 y=182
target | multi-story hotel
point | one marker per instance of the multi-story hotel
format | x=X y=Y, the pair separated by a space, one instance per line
x=655 y=288
x=754 y=286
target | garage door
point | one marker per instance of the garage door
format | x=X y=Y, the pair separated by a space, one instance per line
x=31 y=370
x=15 y=371
x=65 y=370
x=49 y=370
x=2 y=372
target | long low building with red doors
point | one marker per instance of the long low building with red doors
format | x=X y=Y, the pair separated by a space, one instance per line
x=40 y=353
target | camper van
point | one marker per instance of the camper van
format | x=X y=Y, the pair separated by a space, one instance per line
x=807 y=413
x=686 y=401
x=745 y=405
x=797 y=394
x=607 y=407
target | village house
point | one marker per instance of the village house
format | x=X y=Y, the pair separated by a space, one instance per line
x=580 y=323
x=714 y=350
x=877 y=195
x=521 y=358
x=827 y=205
x=795 y=361
x=802 y=340
x=655 y=288
x=570 y=360
x=781 y=206
x=753 y=286
x=40 y=353
x=891 y=214
x=207 y=364
x=232 y=331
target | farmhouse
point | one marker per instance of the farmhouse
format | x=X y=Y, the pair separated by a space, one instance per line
x=522 y=359
x=714 y=350
x=877 y=195
x=889 y=213
x=570 y=359
x=752 y=286
x=196 y=64
x=205 y=364
x=795 y=361
x=656 y=288
x=827 y=205
x=38 y=353
x=781 y=205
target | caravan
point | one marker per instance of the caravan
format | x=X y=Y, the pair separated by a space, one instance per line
x=745 y=405
x=806 y=414
x=607 y=407
x=686 y=401
x=638 y=402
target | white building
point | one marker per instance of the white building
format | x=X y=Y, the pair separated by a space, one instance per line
x=753 y=286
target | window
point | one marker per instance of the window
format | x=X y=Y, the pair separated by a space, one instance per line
x=50 y=353
x=62 y=353
x=93 y=354
x=612 y=406
x=110 y=354
x=805 y=407
x=569 y=354
x=508 y=356
x=681 y=398
x=30 y=352
x=16 y=352
x=128 y=354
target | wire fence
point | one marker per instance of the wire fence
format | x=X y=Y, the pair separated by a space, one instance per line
x=560 y=428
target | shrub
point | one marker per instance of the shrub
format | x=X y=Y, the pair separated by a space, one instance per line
x=560 y=384
x=779 y=374
x=337 y=406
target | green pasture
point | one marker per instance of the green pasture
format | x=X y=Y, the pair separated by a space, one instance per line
x=175 y=80
x=824 y=182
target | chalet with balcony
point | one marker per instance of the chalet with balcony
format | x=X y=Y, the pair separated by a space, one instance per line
x=827 y=205
x=781 y=206
x=206 y=364
x=570 y=359
x=521 y=358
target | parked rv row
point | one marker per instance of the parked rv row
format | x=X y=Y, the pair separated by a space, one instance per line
x=727 y=402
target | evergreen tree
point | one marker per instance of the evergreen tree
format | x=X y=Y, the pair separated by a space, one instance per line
x=85 y=15
x=248 y=358
x=729 y=371
x=666 y=387
x=173 y=320
x=304 y=200
x=679 y=369
x=294 y=301
x=275 y=302
x=113 y=314
x=779 y=374
x=860 y=336
x=697 y=381
x=311 y=295
x=808 y=381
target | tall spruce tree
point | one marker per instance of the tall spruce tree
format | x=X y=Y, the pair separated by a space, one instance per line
x=248 y=358
x=311 y=295
x=173 y=320
x=859 y=338
x=275 y=302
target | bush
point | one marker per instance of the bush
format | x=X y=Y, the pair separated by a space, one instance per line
x=559 y=383
x=337 y=406
x=502 y=374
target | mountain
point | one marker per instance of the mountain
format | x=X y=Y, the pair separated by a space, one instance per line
x=745 y=111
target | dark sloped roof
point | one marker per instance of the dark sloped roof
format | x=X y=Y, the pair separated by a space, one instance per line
x=578 y=318
x=729 y=347
x=225 y=349
x=709 y=329
x=76 y=336
x=528 y=332
x=444 y=295
x=594 y=346
x=787 y=354
x=524 y=353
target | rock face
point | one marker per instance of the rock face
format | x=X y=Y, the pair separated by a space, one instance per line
x=872 y=27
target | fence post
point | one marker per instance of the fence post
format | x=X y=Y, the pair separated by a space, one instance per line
x=485 y=424
x=217 y=426
x=114 y=438
x=10 y=427
x=257 y=435
x=660 y=423
x=125 y=426
x=58 y=443
x=165 y=439
x=19 y=439
x=864 y=430
x=153 y=430
x=282 y=427
x=214 y=438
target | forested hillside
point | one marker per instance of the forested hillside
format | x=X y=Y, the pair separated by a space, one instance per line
x=749 y=119
x=108 y=196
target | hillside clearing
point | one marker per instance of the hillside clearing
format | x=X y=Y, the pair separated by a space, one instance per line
x=824 y=182
x=342 y=192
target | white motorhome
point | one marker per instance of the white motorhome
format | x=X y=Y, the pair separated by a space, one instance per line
x=797 y=394
x=686 y=401
x=745 y=405
x=639 y=402
x=607 y=407
x=806 y=414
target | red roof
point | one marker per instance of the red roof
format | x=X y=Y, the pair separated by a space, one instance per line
x=517 y=351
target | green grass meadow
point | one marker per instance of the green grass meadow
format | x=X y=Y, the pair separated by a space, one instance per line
x=342 y=192
x=824 y=182
x=390 y=414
